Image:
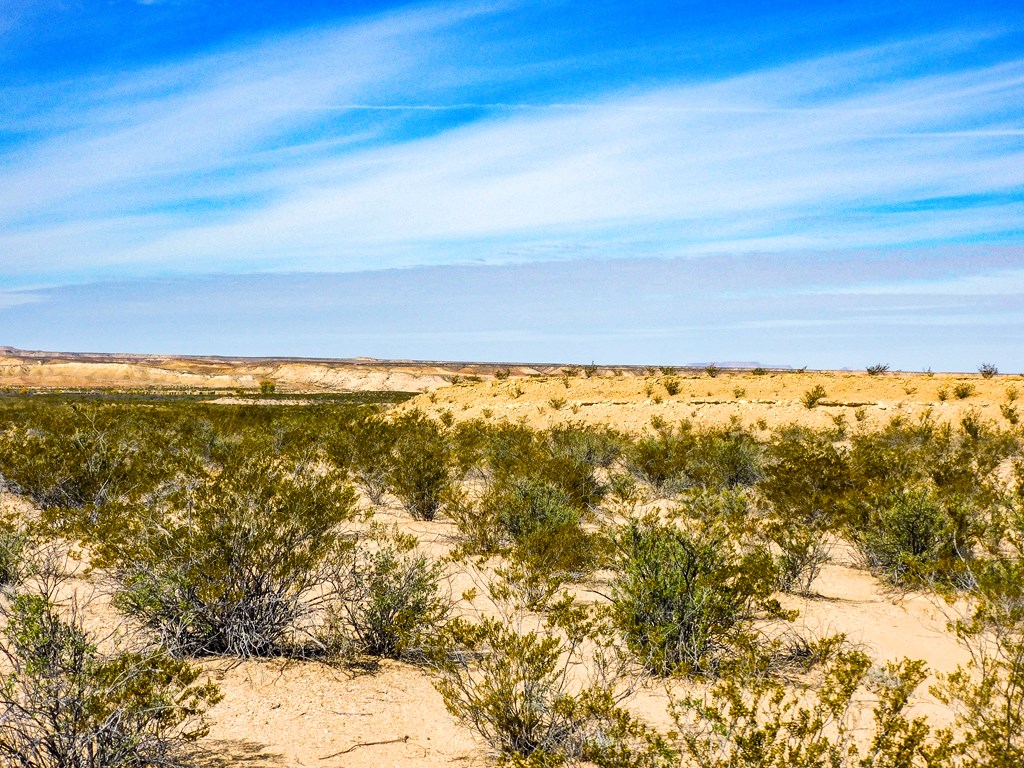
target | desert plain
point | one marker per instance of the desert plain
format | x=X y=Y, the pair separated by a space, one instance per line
x=288 y=712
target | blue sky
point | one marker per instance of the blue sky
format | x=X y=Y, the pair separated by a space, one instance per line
x=815 y=184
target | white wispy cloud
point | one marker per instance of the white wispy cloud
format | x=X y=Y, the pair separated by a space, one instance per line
x=297 y=154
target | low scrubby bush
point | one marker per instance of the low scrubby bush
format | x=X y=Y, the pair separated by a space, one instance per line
x=422 y=470
x=77 y=457
x=567 y=457
x=391 y=598
x=963 y=390
x=760 y=720
x=914 y=539
x=362 y=447
x=675 y=458
x=681 y=598
x=540 y=532
x=64 y=704
x=806 y=487
x=544 y=695
x=987 y=370
x=987 y=696
x=13 y=541
x=225 y=564
x=813 y=396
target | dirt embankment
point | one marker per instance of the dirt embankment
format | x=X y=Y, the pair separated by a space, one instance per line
x=74 y=371
x=760 y=402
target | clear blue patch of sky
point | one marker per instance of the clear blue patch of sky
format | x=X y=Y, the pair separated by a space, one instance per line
x=622 y=40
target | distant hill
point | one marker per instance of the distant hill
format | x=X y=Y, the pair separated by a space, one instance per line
x=36 y=368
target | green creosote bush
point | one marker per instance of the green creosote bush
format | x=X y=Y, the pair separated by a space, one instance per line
x=502 y=373
x=913 y=539
x=362 y=448
x=667 y=370
x=877 y=370
x=759 y=720
x=523 y=506
x=672 y=385
x=539 y=530
x=987 y=696
x=885 y=461
x=806 y=487
x=567 y=456
x=813 y=396
x=972 y=424
x=960 y=466
x=64 y=704
x=13 y=545
x=423 y=471
x=712 y=370
x=267 y=387
x=593 y=446
x=680 y=457
x=226 y=563
x=682 y=599
x=1009 y=413
x=942 y=394
x=623 y=488
x=467 y=440
x=987 y=370
x=391 y=598
x=963 y=390
x=748 y=718
x=557 y=403
x=839 y=429
x=544 y=694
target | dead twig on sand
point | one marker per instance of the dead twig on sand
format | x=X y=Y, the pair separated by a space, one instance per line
x=402 y=739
